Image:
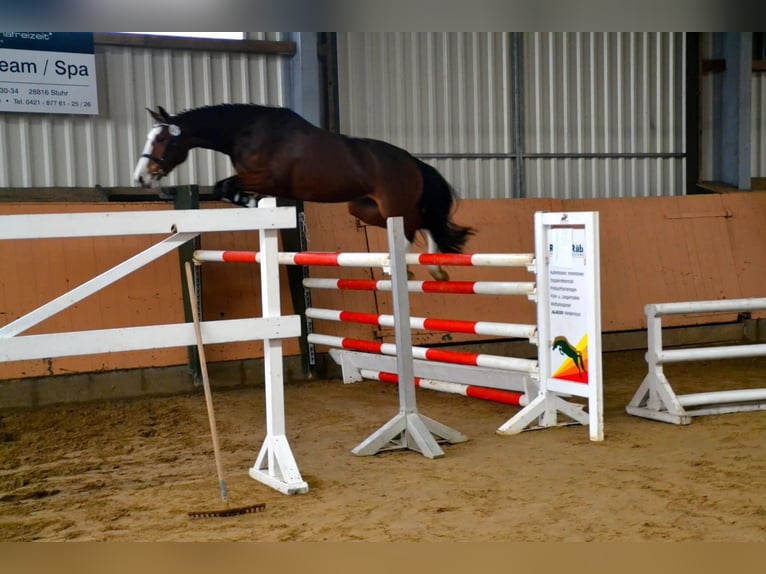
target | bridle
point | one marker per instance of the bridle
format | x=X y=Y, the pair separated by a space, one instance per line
x=160 y=161
x=174 y=131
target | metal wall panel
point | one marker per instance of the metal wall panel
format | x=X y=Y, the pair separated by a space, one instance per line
x=432 y=94
x=758 y=109
x=613 y=100
x=41 y=150
x=604 y=114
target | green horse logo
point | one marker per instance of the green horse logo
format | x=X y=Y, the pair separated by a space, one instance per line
x=565 y=348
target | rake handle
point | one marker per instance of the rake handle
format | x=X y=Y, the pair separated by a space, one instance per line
x=205 y=379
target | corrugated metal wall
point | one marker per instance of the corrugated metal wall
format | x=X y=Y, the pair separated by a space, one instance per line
x=444 y=96
x=42 y=150
x=604 y=114
x=432 y=93
x=591 y=101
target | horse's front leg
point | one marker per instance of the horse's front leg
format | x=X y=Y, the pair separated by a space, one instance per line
x=230 y=190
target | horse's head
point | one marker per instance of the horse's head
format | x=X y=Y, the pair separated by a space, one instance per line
x=166 y=147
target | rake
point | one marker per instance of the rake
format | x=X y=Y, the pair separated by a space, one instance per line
x=211 y=415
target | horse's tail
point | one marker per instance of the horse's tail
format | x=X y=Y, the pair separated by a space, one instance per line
x=436 y=203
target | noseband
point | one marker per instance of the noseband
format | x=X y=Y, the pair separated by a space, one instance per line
x=160 y=161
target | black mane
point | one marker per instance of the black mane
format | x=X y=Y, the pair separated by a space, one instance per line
x=219 y=126
x=226 y=113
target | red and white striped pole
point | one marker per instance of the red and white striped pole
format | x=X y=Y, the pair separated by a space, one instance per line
x=485 y=393
x=457 y=287
x=333 y=259
x=428 y=354
x=509 y=330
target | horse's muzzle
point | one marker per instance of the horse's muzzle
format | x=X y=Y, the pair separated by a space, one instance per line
x=148 y=181
x=146 y=177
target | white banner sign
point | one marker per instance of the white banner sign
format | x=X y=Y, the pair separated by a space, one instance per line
x=48 y=72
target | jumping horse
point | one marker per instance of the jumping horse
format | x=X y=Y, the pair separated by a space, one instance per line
x=275 y=152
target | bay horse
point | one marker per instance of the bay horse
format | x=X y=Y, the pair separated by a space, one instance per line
x=275 y=152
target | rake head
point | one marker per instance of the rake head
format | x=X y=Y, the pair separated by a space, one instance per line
x=228 y=511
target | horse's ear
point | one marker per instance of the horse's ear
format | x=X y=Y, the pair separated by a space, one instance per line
x=160 y=116
x=156 y=115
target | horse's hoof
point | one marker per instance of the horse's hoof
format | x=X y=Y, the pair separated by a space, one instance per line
x=440 y=275
x=410 y=275
x=227 y=190
x=252 y=201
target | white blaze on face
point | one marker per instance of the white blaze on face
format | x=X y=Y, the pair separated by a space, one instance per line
x=141 y=174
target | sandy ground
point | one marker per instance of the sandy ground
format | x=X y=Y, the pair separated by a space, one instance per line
x=132 y=470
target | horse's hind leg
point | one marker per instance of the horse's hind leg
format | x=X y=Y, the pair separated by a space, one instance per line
x=410 y=274
x=436 y=271
x=366 y=209
x=413 y=222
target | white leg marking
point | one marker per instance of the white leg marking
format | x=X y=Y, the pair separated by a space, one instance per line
x=436 y=271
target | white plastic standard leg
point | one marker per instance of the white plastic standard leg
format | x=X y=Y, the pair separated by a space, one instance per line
x=275 y=467
x=411 y=431
x=655 y=399
x=545 y=408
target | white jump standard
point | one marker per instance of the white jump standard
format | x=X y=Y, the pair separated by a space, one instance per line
x=408 y=429
x=655 y=397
